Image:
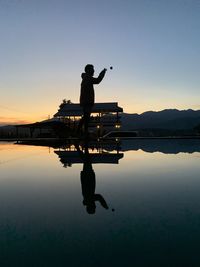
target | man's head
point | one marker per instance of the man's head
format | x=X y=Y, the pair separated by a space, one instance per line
x=90 y=206
x=91 y=209
x=89 y=69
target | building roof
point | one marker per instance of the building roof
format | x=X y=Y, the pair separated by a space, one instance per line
x=42 y=124
x=73 y=157
x=66 y=110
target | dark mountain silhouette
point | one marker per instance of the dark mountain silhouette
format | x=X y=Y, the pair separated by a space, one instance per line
x=171 y=119
x=151 y=123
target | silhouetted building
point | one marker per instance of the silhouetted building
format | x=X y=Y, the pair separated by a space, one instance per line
x=48 y=128
x=104 y=117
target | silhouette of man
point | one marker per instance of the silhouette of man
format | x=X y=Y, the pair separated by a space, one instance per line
x=87 y=95
x=88 y=183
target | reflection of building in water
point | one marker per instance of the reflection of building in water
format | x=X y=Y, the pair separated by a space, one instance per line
x=166 y=146
x=69 y=155
x=72 y=157
x=105 y=116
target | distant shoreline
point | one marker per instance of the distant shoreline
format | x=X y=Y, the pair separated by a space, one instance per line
x=74 y=138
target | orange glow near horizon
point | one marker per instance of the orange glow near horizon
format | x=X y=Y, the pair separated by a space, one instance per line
x=40 y=112
x=34 y=114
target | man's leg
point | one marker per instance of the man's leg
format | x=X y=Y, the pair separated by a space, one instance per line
x=86 y=120
x=86 y=117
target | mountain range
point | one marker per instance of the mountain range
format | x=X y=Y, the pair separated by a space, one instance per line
x=168 y=119
x=171 y=119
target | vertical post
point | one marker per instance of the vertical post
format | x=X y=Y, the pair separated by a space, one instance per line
x=117 y=117
x=17 y=133
x=74 y=123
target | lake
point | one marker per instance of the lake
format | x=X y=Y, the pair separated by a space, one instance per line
x=134 y=203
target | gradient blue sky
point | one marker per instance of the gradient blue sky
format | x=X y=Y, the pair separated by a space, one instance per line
x=153 y=46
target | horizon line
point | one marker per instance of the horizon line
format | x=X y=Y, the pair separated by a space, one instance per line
x=17 y=122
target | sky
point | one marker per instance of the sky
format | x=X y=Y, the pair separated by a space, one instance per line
x=153 y=46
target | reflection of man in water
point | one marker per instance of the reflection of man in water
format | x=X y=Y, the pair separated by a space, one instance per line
x=87 y=94
x=88 y=183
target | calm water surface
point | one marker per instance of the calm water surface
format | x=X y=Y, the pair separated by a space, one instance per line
x=152 y=189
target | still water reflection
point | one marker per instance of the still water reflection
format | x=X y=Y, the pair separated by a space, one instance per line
x=136 y=203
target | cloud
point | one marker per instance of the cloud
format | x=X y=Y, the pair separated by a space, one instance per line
x=11 y=121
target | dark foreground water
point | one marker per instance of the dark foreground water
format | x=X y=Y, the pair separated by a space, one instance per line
x=152 y=189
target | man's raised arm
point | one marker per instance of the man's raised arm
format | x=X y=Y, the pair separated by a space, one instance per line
x=100 y=77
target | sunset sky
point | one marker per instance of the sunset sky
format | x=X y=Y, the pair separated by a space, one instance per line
x=153 y=46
